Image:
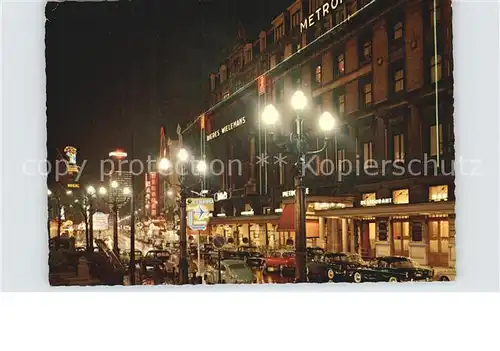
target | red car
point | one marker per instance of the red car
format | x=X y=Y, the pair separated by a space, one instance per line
x=279 y=261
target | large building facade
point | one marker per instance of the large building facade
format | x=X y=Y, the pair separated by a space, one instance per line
x=384 y=185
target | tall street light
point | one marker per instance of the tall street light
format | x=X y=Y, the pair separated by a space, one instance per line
x=182 y=157
x=115 y=204
x=298 y=140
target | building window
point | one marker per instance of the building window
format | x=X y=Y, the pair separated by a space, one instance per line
x=340 y=160
x=397 y=31
x=226 y=94
x=367 y=154
x=341 y=103
x=296 y=79
x=318 y=74
x=399 y=80
x=340 y=65
x=436 y=68
x=401 y=196
x=367 y=93
x=352 y=7
x=279 y=31
x=367 y=52
x=434 y=140
x=339 y=15
x=248 y=56
x=296 y=19
x=399 y=147
x=438 y=193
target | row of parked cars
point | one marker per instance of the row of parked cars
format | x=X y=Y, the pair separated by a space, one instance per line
x=239 y=265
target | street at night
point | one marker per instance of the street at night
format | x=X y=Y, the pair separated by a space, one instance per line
x=267 y=142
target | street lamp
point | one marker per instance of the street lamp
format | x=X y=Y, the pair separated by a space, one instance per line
x=183 y=157
x=69 y=192
x=299 y=144
x=115 y=205
x=164 y=164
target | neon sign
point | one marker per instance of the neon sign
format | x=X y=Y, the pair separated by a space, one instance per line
x=319 y=13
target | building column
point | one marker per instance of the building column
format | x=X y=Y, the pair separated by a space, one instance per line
x=345 y=236
x=452 y=259
x=419 y=240
x=321 y=223
x=350 y=234
x=334 y=234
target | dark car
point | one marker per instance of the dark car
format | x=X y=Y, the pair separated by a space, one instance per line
x=396 y=269
x=253 y=259
x=336 y=267
x=314 y=252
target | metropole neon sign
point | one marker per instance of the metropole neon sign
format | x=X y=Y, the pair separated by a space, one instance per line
x=320 y=12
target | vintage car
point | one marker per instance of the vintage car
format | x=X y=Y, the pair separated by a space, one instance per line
x=314 y=252
x=330 y=267
x=396 y=269
x=125 y=256
x=231 y=272
x=280 y=261
x=445 y=275
x=168 y=260
x=253 y=259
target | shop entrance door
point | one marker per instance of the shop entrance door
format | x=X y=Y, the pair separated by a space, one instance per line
x=367 y=240
x=401 y=238
x=438 y=242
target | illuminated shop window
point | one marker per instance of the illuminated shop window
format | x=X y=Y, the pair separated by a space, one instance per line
x=438 y=193
x=401 y=196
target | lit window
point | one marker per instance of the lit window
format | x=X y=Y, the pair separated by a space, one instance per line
x=341 y=103
x=434 y=140
x=438 y=193
x=436 y=67
x=398 y=31
x=400 y=196
x=226 y=94
x=318 y=74
x=279 y=31
x=399 y=80
x=367 y=93
x=399 y=147
x=367 y=154
x=340 y=64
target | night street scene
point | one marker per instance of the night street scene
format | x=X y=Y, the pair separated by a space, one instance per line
x=208 y=142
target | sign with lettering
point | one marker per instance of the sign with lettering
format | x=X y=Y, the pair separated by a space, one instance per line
x=226 y=128
x=221 y=195
x=198 y=212
x=374 y=202
x=320 y=13
x=382 y=231
x=291 y=193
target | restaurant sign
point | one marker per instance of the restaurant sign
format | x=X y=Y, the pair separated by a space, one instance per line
x=319 y=13
x=291 y=193
x=226 y=128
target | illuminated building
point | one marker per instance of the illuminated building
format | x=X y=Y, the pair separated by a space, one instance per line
x=387 y=76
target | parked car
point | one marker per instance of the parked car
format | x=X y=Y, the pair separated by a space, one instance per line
x=314 y=252
x=445 y=275
x=125 y=256
x=396 y=269
x=280 y=261
x=253 y=259
x=168 y=260
x=231 y=272
x=337 y=267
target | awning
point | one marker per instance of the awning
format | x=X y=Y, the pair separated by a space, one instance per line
x=445 y=207
x=286 y=222
x=259 y=219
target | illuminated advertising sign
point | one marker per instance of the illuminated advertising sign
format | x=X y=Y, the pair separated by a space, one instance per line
x=226 y=128
x=317 y=15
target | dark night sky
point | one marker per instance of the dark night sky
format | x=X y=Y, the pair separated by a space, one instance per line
x=114 y=67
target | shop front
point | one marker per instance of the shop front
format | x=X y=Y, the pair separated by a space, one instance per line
x=394 y=227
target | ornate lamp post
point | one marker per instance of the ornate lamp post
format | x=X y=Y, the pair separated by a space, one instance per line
x=165 y=165
x=113 y=200
x=299 y=145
